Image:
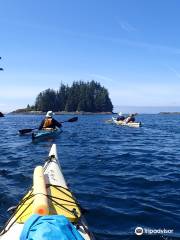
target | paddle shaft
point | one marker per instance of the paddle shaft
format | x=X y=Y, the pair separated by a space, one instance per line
x=23 y=131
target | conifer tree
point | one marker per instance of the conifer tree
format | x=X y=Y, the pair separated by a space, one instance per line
x=81 y=96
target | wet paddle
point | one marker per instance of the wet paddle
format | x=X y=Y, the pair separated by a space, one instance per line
x=28 y=130
x=74 y=119
x=109 y=121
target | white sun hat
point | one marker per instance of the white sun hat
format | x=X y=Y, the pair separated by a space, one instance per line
x=49 y=114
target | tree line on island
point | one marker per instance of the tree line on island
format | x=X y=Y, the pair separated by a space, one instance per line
x=81 y=96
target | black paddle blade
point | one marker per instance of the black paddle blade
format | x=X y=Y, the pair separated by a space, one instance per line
x=27 y=130
x=74 y=119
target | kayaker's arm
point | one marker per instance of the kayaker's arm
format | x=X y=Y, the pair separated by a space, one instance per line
x=56 y=123
x=129 y=119
x=41 y=125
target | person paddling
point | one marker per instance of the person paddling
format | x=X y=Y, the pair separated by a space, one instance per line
x=131 y=118
x=49 y=122
x=120 y=117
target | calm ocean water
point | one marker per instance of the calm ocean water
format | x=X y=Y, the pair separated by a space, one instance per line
x=124 y=177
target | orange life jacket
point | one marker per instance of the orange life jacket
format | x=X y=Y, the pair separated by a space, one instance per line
x=47 y=123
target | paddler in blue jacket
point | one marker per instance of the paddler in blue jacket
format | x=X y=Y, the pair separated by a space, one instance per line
x=131 y=118
x=49 y=122
x=120 y=117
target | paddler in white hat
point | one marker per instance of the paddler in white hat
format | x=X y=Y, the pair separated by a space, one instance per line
x=49 y=122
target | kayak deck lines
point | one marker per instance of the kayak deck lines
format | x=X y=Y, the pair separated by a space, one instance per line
x=70 y=208
x=60 y=202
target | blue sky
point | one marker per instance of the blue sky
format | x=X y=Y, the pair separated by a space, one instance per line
x=131 y=46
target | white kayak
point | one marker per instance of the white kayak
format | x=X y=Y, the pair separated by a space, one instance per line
x=53 y=199
x=130 y=124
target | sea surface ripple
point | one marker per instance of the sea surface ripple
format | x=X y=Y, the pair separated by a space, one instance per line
x=124 y=177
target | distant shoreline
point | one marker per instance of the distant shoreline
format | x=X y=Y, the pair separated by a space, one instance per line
x=82 y=113
x=169 y=113
x=60 y=113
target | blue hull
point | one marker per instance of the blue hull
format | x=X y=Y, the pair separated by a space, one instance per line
x=42 y=134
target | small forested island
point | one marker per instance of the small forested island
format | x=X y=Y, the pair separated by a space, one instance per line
x=80 y=97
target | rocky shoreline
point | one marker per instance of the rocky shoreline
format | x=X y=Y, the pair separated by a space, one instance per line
x=58 y=113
